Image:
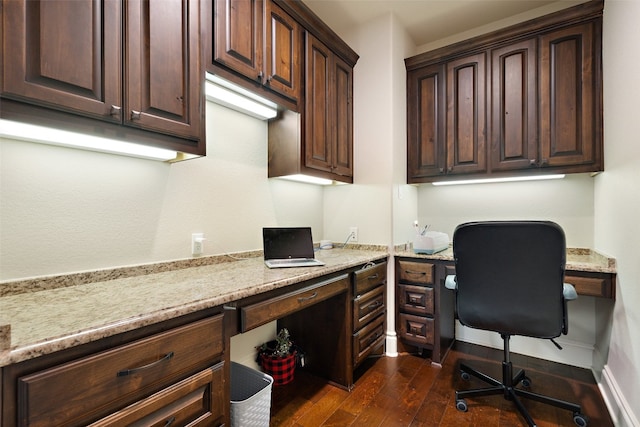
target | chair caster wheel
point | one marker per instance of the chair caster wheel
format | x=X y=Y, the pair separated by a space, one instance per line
x=461 y=406
x=580 y=420
x=465 y=376
x=526 y=382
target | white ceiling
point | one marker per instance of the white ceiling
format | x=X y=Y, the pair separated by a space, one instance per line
x=426 y=21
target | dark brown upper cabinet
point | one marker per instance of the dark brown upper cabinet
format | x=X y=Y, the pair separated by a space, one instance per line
x=328 y=116
x=259 y=41
x=133 y=63
x=519 y=101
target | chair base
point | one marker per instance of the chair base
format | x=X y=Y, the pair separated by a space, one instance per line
x=507 y=387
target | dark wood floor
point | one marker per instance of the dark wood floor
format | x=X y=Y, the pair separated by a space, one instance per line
x=409 y=391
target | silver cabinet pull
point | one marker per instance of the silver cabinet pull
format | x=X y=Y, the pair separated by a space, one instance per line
x=115 y=111
x=135 y=115
x=132 y=371
x=312 y=296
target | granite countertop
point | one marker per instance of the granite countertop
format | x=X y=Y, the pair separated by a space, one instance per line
x=578 y=259
x=52 y=318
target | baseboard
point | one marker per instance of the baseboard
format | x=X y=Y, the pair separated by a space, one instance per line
x=391 y=344
x=572 y=353
x=618 y=407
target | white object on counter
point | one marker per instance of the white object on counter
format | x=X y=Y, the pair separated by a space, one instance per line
x=326 y=244
x=430 y=242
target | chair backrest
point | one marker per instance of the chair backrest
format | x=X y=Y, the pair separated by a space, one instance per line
x=510 y=277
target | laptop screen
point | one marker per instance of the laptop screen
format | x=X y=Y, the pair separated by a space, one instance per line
x=285 y=243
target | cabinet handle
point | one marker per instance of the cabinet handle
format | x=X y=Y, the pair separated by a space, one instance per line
x=373 y=305
x=422 y=273
x=373 y=339
x=115 y=111
x=260 y=76
x=532 y=162
x=135 y=115
x=169 y=421
x=414 y=299
x=544 y=162
x=132 y=371
x=269 y=78
x=441 y=170
x=312 y=296
x=373 y=277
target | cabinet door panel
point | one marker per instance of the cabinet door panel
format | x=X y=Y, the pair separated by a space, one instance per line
x=342 y=118
x=426 y=122
x=162 y=67
x=238 y=36
x=514 y=127
x=283 y=52
x=569 y=133
x=466 y=120
x=64 y=54
x=317 y=106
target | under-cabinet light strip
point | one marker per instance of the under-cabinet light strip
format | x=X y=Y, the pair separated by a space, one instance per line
x=63 y=138
x=232 y=96
x=494 y=180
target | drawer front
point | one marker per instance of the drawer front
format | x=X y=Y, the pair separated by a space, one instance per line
x=195 y=401
x=592 y=286
x=368 y=339
x=416 y=272
x=264 y=312
x=81 y=390
x=368 y=306
x=369 y=278
x=416 y=299
x=417 y=329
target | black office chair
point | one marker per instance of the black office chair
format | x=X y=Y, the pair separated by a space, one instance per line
x=509 y=279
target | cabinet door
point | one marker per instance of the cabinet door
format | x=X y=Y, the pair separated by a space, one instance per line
x=163 y=77
x=570 y=116
x=341 y=120
x=466 y=115
x=514 y=118
x=426 y=109
x=283 y=50
x=317 y=131
x=238 y=36
x=64 y=54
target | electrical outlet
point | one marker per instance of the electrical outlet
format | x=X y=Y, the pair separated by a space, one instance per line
x=353 y=234
x=197 y=244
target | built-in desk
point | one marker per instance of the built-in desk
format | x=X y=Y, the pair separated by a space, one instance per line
x=162 y=333
x=592 y=273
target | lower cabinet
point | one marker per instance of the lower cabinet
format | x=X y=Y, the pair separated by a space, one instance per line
x=425 y=309
x=174 y=376
x=369 y=311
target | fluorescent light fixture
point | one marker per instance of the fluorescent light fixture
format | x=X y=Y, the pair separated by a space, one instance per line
x=493 y=180
x=63 y=138
x=307 y=179
x=233 y=96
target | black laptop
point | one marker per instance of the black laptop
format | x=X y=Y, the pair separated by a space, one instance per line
x=288 y=247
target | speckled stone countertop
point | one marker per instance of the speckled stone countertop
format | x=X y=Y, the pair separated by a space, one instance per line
x=64 y=311
x=578 y=259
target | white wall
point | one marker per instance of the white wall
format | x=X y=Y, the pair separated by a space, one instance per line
x=617 y=203
x=64 y=210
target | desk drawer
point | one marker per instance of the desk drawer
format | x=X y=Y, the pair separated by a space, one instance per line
x=416 y=299
x=72 y=393
x=274 y=308
x=195 y=401
x=368 y=306
x=596 y=285
x=368 y=339
x=416 y=272
x=369 y=278
x=417 y=329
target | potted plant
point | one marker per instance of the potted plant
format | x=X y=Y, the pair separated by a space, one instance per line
x=278 y=358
